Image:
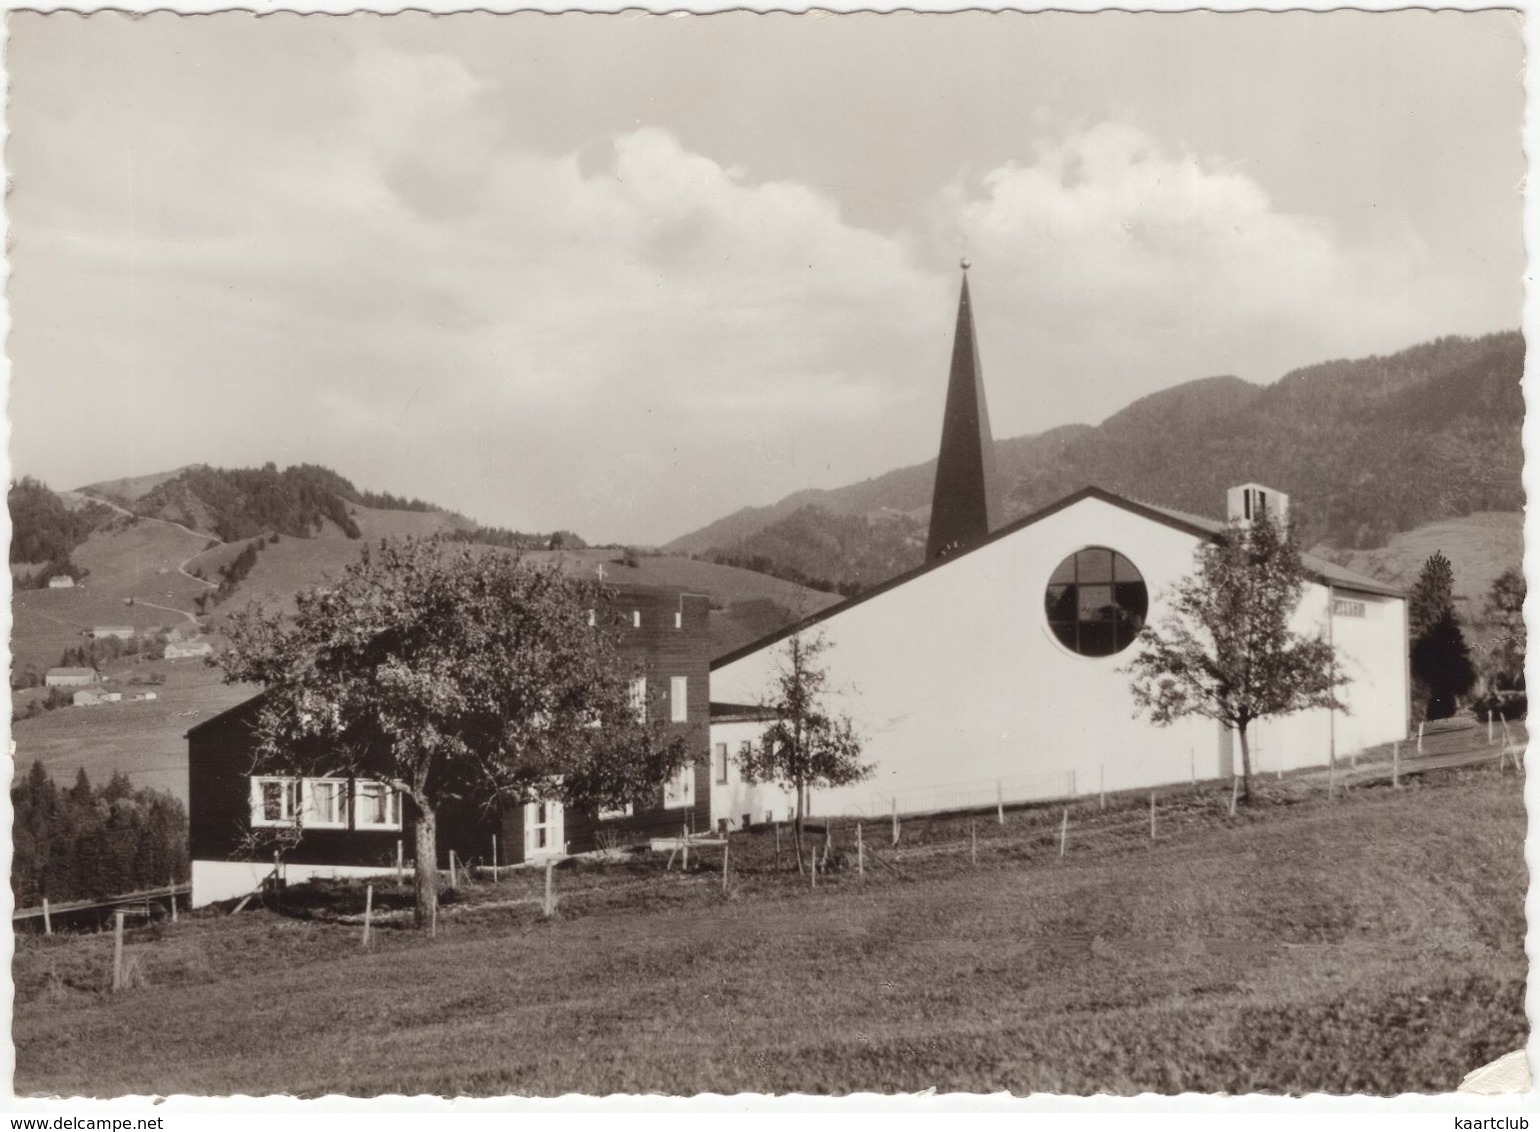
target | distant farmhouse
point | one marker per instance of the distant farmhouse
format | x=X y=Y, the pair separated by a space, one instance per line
x=93 y=698
x=69 y=677
x=121 y=632
x=995 y=671
x=61 y=582
x=357 y=827
x=179 y=651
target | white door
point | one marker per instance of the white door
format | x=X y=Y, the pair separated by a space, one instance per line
x=543 y=836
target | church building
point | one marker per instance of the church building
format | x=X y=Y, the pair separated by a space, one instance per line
x=996 y=671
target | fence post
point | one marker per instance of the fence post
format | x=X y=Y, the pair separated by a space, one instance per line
x=812 y=871
x=494 y=856
x=1064 y=831
x=973 y=833
x=1235 y=790
x=454 y=878
x=684 y=839
x=173 y=898
x=400 y=863
x=117 y=949
x=726 y=848
x=1489 y=729
x=368 y=910
x=999 y=801
x=1152 y=815
x=895 y=819
x=828 y=840
x=1419 y=738
x=550 y=898
x=1395 y=765
x=47 y=923
x=860 y=853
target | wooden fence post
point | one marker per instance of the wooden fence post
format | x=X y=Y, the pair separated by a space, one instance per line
x=1419 y=738
x=999 y=801
x=400 y=863
x=726 y=848
x=812 y=872
x=895 y=819
x=1395 y=765
x=828 y=840
x=494 y=856
x=684 y=837
x=117 y=949
x=1489 y=729
x=433 y=921
x=454 y=879
x=47 y=923
x=172 y=886
x=368 y=910
x=550 y=898
x=1064 y=831
x=860 y=853
x=1235 y=791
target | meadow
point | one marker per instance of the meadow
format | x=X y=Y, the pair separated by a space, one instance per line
x=1373 y=943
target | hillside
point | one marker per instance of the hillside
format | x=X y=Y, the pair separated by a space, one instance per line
x=1366 y=449
x=1361 y=965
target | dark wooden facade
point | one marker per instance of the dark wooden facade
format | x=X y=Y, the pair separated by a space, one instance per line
x=664 y=630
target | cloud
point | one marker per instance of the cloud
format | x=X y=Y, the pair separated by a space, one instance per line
x=1130 y=265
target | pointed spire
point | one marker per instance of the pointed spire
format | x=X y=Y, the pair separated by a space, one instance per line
x=965 y=506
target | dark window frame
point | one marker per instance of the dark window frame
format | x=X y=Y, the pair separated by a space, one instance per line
x=1088 y=572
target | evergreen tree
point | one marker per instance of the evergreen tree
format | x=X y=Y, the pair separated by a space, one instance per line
x=1442 y=671
x=1505 y=615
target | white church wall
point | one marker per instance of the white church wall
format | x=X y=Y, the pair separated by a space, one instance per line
x=962 y=690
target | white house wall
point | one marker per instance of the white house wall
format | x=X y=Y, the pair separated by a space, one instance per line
x=732 y=799
x=963 y=692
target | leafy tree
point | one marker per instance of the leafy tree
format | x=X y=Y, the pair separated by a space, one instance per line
x=1505 y=614
x=451 y=675
x=1441 y=666
x=805 y=745
x=1225 y=650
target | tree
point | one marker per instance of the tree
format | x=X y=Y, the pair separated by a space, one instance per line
x=805 y=744
x=1505 y=615
x=1225 y=650
x=1441 y=666
x=451 y=676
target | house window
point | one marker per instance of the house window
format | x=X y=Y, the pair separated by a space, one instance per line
x=1096 y=602
x=679 y=699
x=719 y=756
x=1343 y=607
x=680 y=790
x=639 y=698
x=375 y=806
x=274 y=801
x=619 y=812
x=326 y=803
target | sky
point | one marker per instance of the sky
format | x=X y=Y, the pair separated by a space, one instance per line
x=624 y=275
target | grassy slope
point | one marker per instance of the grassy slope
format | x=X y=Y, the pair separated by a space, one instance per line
x=1372 y=945
x=1479 y=547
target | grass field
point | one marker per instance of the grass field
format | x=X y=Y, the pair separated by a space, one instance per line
x=1372 y=944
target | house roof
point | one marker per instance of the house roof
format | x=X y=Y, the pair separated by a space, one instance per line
x=71 y=672
x=739 y=713
x=1317 y=568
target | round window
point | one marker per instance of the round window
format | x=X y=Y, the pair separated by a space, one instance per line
x=1096 y=602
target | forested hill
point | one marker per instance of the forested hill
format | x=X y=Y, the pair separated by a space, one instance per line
x=43 y=528
x=1366 y=448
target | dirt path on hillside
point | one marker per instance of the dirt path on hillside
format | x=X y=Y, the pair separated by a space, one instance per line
x=182 y=565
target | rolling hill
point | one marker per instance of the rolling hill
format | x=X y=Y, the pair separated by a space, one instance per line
x=1366 y=448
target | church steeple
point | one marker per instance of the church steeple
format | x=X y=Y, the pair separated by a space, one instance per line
x=965 y=505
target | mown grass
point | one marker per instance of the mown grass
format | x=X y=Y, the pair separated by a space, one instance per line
x=1374 y=944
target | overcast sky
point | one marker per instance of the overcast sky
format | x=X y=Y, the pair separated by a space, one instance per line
x=627 y=274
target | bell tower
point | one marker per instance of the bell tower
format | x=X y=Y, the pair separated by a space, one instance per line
x=965 y=505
